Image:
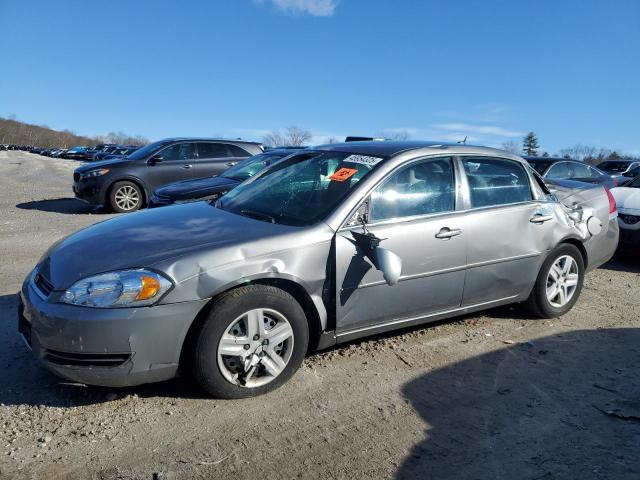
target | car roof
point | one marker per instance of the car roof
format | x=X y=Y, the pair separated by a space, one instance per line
x=392 y=148
x=204 y=139
x=549 y=159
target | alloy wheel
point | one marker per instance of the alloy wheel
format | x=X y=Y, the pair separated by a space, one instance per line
x=127 y=197
x=562 y=281
x=255 y=348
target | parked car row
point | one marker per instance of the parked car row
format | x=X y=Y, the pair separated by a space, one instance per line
x=98 y=152
x=126 y=184
x=315 y=247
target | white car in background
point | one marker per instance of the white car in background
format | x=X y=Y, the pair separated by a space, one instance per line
x=628 y=201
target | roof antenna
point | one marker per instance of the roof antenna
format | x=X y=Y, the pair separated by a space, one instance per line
x=463 y=142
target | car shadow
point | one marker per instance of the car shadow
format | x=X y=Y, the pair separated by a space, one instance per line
x=60 y=205
x=562 y=406
x=623 y=261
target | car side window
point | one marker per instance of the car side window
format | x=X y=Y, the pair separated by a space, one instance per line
x=179 y=151
x=238 y=152
x=581 y=171
x=559 y=171
x=213 y=150
x=422 y=188
x=496 y=181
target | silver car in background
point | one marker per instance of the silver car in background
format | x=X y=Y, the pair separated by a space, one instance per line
x=325 y=246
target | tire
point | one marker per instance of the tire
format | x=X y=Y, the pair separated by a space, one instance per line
x=224 y=366
x=565 y=262
x=125 y=197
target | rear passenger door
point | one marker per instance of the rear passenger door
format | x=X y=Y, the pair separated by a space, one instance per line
x=509 y=231
x=172 y=164
x=215 y=157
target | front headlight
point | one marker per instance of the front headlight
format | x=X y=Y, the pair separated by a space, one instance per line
x=126 y=288
x=94 y=173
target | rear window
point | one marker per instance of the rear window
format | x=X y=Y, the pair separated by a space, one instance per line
x=238 y=152
x=496 y=181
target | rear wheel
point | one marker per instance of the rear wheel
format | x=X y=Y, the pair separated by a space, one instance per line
x=125 y=197
x=252 y=342
x=559 y=282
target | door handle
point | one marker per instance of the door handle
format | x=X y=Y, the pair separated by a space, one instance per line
x=446 y=233
x=187 y=166
x=539 y=219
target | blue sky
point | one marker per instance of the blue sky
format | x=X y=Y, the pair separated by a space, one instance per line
x=493 y=70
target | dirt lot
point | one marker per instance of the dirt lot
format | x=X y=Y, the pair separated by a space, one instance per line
x=487 y=396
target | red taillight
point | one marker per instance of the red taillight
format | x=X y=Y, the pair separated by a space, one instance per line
x=612 y=201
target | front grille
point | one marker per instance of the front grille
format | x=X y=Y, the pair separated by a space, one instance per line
x=76 y=177
x=86 y=359
x=43 y=284
x=630 y=219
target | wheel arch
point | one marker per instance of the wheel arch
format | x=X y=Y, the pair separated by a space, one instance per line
x=295 y=289
x=580 y=246
x=139 y=183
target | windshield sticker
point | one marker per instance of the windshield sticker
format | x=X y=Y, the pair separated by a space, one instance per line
x=343 y=174
x=363 y=159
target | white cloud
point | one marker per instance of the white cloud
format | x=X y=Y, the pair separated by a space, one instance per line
x=317 y=8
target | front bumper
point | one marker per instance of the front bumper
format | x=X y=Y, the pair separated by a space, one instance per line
x=89 y=191
x=156 y=201
x=108 y=347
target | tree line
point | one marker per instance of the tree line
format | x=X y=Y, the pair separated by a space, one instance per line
x=15 y=132
x=587 y=153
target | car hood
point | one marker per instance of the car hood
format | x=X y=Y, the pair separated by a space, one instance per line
x=198 y=187
x=627 y=198
x=105 y=163
x=144 y=238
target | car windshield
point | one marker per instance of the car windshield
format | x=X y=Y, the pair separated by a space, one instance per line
x=300 y=190
x=148 y=150
x=618 y=167
x=249 y=167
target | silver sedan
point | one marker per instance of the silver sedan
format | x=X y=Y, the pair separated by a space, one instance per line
x=327 y=245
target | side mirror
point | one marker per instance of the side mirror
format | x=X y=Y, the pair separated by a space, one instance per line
x=155 y=159
x=389 y=264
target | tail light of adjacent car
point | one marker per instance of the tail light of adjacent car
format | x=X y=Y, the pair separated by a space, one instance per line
x=613 y=208
x=615 y=182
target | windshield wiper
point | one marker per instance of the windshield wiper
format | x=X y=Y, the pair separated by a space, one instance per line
x=257 y=215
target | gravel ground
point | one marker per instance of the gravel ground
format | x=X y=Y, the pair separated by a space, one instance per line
x=496 y=395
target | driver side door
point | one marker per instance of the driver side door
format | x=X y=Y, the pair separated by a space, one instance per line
x=413 y=211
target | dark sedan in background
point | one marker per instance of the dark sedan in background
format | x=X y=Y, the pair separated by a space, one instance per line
x=121 y=152
x=566 y=169
x=619 y=168
x=210 y=188
x=126 y=184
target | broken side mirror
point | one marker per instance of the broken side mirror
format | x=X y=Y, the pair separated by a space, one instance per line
x=386 y=261
x=389 y=264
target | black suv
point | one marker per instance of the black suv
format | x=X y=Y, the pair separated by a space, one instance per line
x=125 y=184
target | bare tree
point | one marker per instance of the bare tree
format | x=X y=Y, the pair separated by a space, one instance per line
x=292 y=137
x=394 y=135
x=511 y=147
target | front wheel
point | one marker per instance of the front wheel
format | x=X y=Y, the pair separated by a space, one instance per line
x=559 y=282
x=252 y=342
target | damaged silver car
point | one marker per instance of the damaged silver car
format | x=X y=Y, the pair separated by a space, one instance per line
x=325 y=246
